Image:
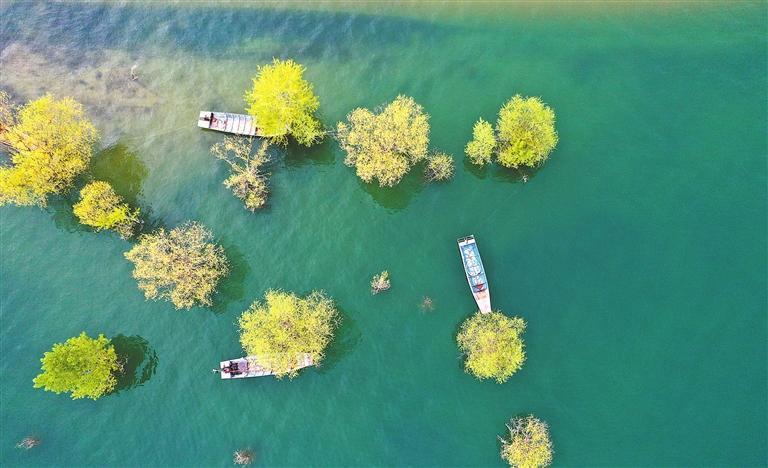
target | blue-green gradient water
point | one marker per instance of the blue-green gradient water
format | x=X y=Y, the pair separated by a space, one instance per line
x=636 y=254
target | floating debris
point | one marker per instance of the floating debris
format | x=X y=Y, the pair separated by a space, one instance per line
x=243 y=457
x=380 y=282
x=427 y=304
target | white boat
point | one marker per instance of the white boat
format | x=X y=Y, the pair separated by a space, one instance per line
x=239 y=124
x=254 y=366
x=473 y=269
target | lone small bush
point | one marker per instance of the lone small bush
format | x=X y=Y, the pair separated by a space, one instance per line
x=529 y=444
x=243 y=457
x=380 y=282
x=439 y=167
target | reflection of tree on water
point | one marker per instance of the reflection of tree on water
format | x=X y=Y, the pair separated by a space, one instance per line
x=138 y=360
x=347 y=337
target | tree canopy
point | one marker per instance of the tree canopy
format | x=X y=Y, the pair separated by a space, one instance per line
x=384 y=146
x=439 y=167
x=480 y=149
x=180 y=265
x=283 y=103
x=526 y=132
x=492 y=344
x=525 y=135
x=82 y=365
x=528 y=445
x=246 y=181
x=285 y=325
x=101 y=208
x=50 y=142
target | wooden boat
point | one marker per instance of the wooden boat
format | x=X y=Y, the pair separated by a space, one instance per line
x=473 y=268
x=238 y=124
x=254 y=366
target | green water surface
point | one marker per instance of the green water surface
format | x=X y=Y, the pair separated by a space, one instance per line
x=636 y=254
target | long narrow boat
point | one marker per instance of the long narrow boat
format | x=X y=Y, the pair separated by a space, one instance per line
x=238 y=124
x=473 y=268
x=255 y=366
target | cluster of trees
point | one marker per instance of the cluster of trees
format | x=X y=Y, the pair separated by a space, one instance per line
x=525 y=135
x=51 y=142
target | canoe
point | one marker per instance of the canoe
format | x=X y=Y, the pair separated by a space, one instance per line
x=238 y=124
x=254 y=366
x=473 y=269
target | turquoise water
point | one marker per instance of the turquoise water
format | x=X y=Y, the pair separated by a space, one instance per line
x=637 y=253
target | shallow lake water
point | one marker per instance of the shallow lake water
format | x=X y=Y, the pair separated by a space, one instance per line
x=636 y=254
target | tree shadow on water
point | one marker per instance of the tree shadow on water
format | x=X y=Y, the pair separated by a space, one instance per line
x=296 y=155
x=139 y=361
x=124 y=171
x=398 y=197
x=515 y=175
x=231 y=288
x=64 y=218
x=347 y=338
x=481 y=172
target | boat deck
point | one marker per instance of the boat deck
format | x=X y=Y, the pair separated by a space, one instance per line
x=256 y=366
x=475 y=272
x=238 y=124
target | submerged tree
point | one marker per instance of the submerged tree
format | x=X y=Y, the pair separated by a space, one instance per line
x=380 y=282
x=82 y=365
x=528 y=445
x=28 y=442
x=286 y=326
x=480 y=149
x=247 y=182
x=50 y=143
x=525 y=135
x=181 y=265
x=101 y=208
x=283 y=103
x=526 y=130
x=439 y=167
x=243 y=457
x=384 y=146
x=492 y=344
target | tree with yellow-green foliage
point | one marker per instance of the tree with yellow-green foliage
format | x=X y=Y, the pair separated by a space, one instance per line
x=246 y=181
x=82 y=365
x=181 y=265
x=284 y=327
x=384 y=146
x=439 y=167
x=101 y=208
x=283 y=103
x=492 y=344
x=528 y=445
x=525 y=135
x=50 y=143
x=480 y=149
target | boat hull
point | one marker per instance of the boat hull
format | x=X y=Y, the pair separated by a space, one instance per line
x=475 y=273
x=255 y=366
x=237 y=124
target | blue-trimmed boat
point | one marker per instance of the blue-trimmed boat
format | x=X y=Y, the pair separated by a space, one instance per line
x=473 y=268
